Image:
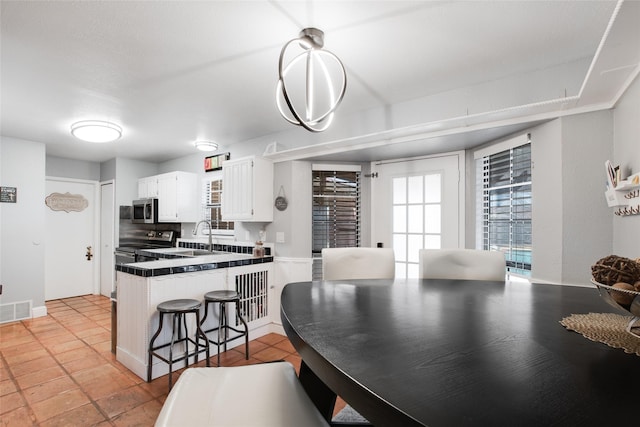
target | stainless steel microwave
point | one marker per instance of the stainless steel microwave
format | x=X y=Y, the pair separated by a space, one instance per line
x=145 y=211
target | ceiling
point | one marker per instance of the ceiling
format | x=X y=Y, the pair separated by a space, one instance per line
x=423 y=76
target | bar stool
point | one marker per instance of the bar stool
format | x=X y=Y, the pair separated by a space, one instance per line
x=178 y=308
x=222 y=298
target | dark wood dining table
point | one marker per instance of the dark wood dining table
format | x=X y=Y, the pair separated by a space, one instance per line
x=434 y=352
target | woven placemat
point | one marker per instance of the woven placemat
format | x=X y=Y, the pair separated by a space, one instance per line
x=606 y=328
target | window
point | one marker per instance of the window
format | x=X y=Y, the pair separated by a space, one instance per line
x=211 y=199
x=336 y=212
x=504 y=203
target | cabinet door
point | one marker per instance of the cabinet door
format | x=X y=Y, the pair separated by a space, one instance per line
x=147 y=187
x=237 y=196
x=167 y=198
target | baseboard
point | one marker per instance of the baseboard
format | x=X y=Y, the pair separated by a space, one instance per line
x=40 y=311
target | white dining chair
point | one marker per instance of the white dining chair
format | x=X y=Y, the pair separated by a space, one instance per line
x=266 y=395
x=465 y=264
x=358 y=263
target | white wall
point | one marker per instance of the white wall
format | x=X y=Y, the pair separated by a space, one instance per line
x=546 y=222
x=587 y=232
x=22 y=224
x=70 y=168
x=626 y=153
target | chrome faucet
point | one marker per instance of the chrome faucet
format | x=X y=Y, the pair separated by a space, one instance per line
x=195 y=231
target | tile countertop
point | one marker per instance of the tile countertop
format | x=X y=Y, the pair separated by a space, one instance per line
x=174 y=261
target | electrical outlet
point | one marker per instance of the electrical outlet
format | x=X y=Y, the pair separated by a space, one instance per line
x=279 y=237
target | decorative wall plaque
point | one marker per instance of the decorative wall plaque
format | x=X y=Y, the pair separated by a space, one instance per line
x=8 y=194
x=281 y=202
x=66 y=202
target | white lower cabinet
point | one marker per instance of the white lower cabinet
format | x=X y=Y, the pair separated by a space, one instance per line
x=138 y=297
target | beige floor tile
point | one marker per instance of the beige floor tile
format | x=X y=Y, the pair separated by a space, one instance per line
x=25 y=355
x=32 y=366
x=270 y=353
x=85 y=415
x=142 y=415
x=21 y=417
x=40 y=376
x=44 y=391
x=59 y=404
x=122 y=402
x=59 y=370
x=10 y=402
x=7 y=386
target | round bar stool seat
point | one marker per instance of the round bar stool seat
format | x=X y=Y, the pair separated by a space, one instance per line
x=178 y=309
x=222 y=298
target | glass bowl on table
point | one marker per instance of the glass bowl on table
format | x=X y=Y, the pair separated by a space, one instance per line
x=623 y=299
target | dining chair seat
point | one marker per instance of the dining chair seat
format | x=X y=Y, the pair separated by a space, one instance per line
x=463 y=264
x=267 y=394
x=358 y=263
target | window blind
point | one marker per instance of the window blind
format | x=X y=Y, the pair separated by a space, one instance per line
x=336 y=213
x=211 y=205
x=504 y=205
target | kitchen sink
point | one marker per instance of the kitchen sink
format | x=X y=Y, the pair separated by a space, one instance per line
x=199 y=252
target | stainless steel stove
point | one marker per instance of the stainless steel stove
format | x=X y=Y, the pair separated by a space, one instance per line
x=135 y=240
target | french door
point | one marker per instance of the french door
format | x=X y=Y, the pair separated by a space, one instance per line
x=417 y=204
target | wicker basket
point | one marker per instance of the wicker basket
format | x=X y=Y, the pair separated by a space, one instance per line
x=613 y=269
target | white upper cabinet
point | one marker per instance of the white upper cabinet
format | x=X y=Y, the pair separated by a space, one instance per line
x=177 y=193
x=247 y=189
x=148 y=187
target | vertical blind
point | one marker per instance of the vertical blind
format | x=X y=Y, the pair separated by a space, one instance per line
x=336 y=213
x=504 y=201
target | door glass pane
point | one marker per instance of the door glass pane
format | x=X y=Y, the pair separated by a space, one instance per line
x=400 y=246
x=414 y=244
x=413 y=270
x=432 y=188
x=432 y=219
x=399 y=219
x=399 y=190
x=415 y=219
x=415 y=189
x=432 y=241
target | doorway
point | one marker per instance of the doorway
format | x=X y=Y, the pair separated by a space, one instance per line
x=107 y=221
x=71 y=238
x=417 y=205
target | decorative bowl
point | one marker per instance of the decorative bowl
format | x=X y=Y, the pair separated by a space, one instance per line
x=633 y=308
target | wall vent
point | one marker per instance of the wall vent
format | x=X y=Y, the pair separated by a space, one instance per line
x=15 y=311
x=253 y=287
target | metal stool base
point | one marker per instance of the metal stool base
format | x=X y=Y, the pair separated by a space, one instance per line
x=222 y=298
x=178 y=309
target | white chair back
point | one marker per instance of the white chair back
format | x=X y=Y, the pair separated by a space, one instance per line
x=464 y=264
x=267 y=394
x=358 y=263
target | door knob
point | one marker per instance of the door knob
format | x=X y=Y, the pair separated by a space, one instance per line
x=89 y=253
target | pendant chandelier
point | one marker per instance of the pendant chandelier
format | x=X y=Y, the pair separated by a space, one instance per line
x=312 y=83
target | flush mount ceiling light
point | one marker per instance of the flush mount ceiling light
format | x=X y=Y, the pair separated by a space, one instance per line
x=318 y=78
x=96 y=131
x=206 y=145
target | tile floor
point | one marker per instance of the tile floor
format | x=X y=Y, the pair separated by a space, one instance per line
x=58 y=370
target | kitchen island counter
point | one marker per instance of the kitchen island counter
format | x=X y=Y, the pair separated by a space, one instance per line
x=142 y=286
x=174 y=261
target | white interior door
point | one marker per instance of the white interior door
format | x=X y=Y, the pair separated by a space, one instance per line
x=417 y=205
x=107 y=221
x=70 y=232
